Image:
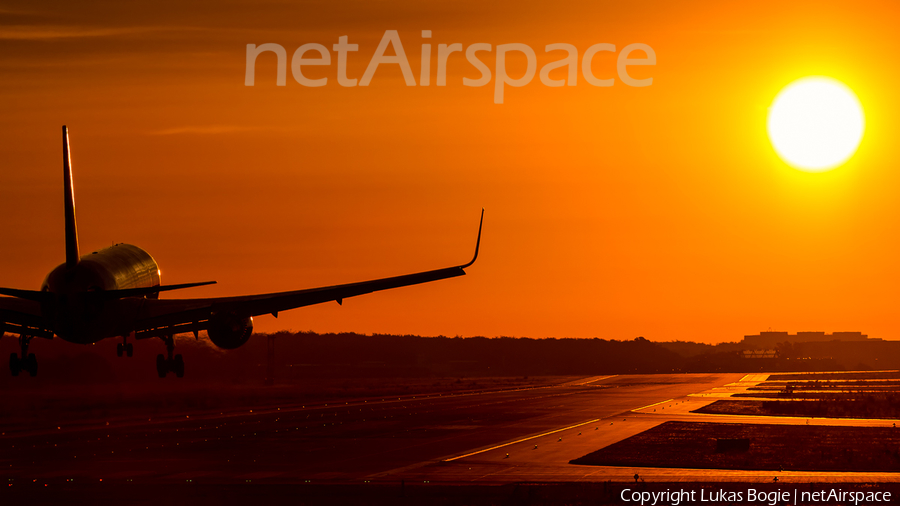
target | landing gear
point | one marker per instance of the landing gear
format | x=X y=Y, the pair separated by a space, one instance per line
x=125 y=348
x=14 y=365
x=28 y=362
x=172 y=363
x=164 y=365
x=161 y=366
x=178 y=366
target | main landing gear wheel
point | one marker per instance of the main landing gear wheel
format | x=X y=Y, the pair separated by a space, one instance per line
x=172 y=363
x=14 y=365
x=28 y=362
x=124 y=348
x=161 y=366
x=178 y=366
x=164 y=366
x=31 y=365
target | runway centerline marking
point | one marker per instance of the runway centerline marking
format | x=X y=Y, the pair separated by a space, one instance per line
x=589 y=380
x=523 y=439
x=651 y=405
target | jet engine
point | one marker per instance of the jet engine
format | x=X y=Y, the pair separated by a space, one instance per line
x=229 y=330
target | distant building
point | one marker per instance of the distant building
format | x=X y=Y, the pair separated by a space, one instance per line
x=759 y=354
x=770 y=339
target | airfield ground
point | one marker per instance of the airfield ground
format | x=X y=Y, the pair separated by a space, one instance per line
x=499 y=436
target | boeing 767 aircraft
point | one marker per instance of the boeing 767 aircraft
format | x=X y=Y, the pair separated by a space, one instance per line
x=114 y=293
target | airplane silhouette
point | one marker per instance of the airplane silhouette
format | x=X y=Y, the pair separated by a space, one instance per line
x=114 y=292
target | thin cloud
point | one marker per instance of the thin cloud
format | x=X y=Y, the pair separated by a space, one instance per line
x=49 y=32
x=203 y=130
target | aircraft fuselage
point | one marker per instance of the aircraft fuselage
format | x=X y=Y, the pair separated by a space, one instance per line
x=81 y=314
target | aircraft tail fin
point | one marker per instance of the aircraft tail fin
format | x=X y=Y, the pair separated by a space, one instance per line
x=71 y=230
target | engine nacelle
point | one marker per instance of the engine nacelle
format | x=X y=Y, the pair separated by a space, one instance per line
x=229 y=330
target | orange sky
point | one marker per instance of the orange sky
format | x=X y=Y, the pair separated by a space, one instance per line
x=611 y=212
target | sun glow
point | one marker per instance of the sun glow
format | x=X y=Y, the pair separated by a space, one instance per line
x=815 y=124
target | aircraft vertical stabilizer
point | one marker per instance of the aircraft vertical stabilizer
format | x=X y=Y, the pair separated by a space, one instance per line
x=71 y=230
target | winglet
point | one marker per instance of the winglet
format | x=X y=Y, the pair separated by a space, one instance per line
x=71 y=231
x=477 y=242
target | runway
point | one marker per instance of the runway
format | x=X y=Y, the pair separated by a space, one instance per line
x=491 y=437
x=353 y=441
x=546 y=458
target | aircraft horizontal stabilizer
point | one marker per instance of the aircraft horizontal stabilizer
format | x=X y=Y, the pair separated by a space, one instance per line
x=141 y=292
x=34 y=295
x=39 y=296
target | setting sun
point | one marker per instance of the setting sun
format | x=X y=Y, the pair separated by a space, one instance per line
x=816 y=124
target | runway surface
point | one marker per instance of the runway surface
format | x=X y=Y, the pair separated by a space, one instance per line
x=546 y=458
x=351 y=441
x=495 y=437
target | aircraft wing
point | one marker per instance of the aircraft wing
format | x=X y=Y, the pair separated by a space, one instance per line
x=156 y=318
x=23 y=316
